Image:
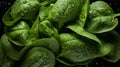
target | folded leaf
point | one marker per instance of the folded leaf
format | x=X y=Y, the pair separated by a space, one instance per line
x=8 y=20
x=7 y=62
x=77 y=50
x=84 y=14
x=12 y=52
x=48 y=30
x=82 y=32
x=102 y=24
x=39 y=57
x=111 y=40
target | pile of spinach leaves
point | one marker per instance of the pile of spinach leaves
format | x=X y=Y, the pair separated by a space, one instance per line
x=58 y=33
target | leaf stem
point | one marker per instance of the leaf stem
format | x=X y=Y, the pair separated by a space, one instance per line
x=116 y=15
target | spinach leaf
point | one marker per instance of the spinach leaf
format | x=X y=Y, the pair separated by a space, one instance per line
x=64 y=10
x=47 y=29
x=49 y=43
x=12 y=52
x=7 y=62
x=82 y=32
x=27 y=9
x=84 y=14
x=58 y=15
x=99 y=8
x=102 y=24
x=8 y=20
x=112 y=41
x=58 y=33
x=102 y=50
x=20 y=34
x=44 y=11
x=78 y=27
x=76 y=49
x=101 y=18
x=39 y=57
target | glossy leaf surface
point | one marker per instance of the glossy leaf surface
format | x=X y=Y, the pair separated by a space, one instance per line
x=49 y=43
x=39 y=57
x=76 y=49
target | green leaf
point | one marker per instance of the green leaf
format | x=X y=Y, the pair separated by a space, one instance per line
x=82 y=32
x=8 y=20
x=99 y=8
x=54 y=16
x=20 y=25
x=39 y=57
x=49 y=43
x=102 y=24
x=84 y=14
x=77 y=50
x=47 y=29
x=27 y=9
x=101 y=18
x=64 y=10
x=20 y=34
x=7 y=62
x=112 y=41
x=19 y=37
x=43 y=13
x=78 y=27
x=10 y=50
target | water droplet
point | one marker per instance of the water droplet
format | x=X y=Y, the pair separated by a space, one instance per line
x=72 y=5
x=22 y=14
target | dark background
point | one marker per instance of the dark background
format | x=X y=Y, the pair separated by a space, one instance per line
x=99 y=62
